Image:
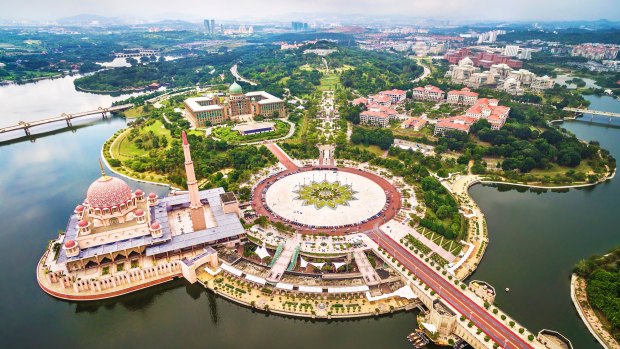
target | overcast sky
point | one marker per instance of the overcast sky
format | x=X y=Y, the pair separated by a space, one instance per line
x=509 y=10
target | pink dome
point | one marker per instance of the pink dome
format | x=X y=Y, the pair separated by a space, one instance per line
x=70 y=244
x=138 y=212
x=152 y=195
x=82 y=224
x=155 y=226
x=79 y=208
x=107 y=192
x=139 y=192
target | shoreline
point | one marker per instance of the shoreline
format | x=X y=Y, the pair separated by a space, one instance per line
x=574 y=279
x=608 y=177
x=121 y=91
x=105 y=160
x=299 y=315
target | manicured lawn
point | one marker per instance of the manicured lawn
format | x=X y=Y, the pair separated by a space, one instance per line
x=409 y=132
x=134 y=112
x=123 y=148
x=372 y=148
x=329 y=82
x=557 y=169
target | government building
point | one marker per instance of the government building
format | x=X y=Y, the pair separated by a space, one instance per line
x=213 y=109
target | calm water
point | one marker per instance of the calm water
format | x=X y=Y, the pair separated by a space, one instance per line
x=535 y=240
x=561 y=79
x=46 y=99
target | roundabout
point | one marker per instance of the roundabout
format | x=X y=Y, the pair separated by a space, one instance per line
x=329 y=200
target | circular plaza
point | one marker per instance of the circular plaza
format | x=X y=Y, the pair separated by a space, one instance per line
x=327 y=199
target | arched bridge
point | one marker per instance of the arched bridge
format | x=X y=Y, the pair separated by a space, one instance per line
x=66 y=117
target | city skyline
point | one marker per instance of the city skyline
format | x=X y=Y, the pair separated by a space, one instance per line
x=529 y=10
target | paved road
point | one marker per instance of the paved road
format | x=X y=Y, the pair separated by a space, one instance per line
x=282 y=157
x=498 y=332
x=426 y=72
x=235 y=73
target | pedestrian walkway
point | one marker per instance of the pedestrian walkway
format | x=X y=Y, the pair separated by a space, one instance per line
x=282 y=263
x=282 y=156
x=365 y=268
x=398 y=231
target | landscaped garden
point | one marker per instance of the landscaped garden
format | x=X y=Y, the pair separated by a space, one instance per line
x=321 y=194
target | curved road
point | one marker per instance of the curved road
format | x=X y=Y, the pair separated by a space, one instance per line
x=235 y=72
x=481 y=318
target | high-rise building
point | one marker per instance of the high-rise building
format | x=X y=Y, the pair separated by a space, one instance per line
x=209 y=26
x=299 y=26
x=525 y=54
x=511 y=50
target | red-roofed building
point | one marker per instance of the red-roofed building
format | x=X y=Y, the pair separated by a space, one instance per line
x=428 y=93
x=391 y=113
x=415 y=123
x=397 y=96
x=374 y=118
x=359 y=101
x=463 y=97
x=380 y=99
x=460 y=123
x=489 y=109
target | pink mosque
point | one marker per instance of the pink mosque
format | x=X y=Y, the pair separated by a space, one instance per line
x=120 y=240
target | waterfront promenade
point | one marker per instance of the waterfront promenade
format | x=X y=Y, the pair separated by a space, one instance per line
x=580 y=300
x=497 y=331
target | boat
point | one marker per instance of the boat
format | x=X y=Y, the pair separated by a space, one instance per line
x=418 y=339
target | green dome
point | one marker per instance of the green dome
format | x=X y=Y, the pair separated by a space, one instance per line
x=235 y=88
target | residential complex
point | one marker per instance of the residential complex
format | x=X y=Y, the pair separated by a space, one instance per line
x=378 y=115
x=215 y=109
x=596 y=51
x=379 y=109
x=490 y=36
x=490 y=110
x=456 y=123
x=396 y=96
x=465 y=96
x=415 y=123
x=428 y=93
x=374 y=118
x=484 y=108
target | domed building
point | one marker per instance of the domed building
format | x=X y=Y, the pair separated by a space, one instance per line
x=109 y=200
x=235 y=89
x=119 y=236
x=213 y=109
x=466 y=62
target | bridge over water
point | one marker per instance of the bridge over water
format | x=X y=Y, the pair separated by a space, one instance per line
x=593 y=112
x=141 y=53
x=66 y=117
